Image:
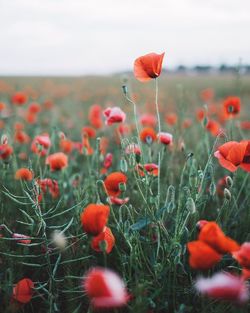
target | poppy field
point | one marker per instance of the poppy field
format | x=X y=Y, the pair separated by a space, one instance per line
x=125 y=193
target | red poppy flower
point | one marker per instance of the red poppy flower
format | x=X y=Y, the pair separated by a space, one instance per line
x=50 y=185
x=202 y=256
x=2 y=106
x=95 y=116
x=41 y=144
x=171 y=119
x=105 y=288
x=148 y=66
x=243 y=255
x=90 y=131
x=187 y=123
x=213 y=127
x=22 y=238
x=150 y=168
x=245 y=165
x=24 y=174
x=165 y=138
x=118 y=201
x=5 y=151
x=245 y=125
x=200 y=114
x=231 y=154
x=213 y=236
x=232 y=105
x=108 y=160
x=94 y=218
x=112 y=183
x=107 y=237
x=19 y=98
x=21 y=137
x=207 y=94
x=114 y=115
x=31 y=118
x=224 y=286
x=86 y=147
x=57 y=161
x=148 y=120
x=34 y=108
x=66 y=145
x=23 y=290
x=148 y=135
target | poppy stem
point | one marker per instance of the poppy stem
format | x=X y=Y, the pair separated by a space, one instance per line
x=157 y=105
x=159 y=130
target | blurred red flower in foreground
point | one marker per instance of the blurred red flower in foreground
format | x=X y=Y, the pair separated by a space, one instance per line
x=224 y=286
x=232 y=105
x=23 y=290
x=105 y=288
x=57 y=161
x=212 y=235
x=105 y=237
x=114 y=115
x=94 y=218
x=113 y=183
x=202 y=256
x=148 y=66
x=212 y=243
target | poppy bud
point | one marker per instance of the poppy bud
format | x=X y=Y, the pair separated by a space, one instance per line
x=190 y=205
x=122 y=187
x=4 y=139
x=123 y=165
x=229 y=182
x=125 y=90
x=212 y=189
x=227 y=194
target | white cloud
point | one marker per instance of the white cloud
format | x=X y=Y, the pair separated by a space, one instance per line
x=102 y=36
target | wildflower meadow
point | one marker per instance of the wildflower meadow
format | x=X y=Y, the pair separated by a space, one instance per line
x=125 y=193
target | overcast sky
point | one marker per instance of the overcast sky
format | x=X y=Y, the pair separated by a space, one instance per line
x=105 y=36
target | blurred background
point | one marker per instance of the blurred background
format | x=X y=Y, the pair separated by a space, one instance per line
x=80 y=37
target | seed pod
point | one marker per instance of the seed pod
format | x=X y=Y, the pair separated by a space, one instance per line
x=205 y=121
x=190 y=205
x=227 y=194
x=212 y=189
x=123 y=165
x=122 y=187
x=4 y=139
x=170 y=194
x=125 y=90
x=229 y=182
